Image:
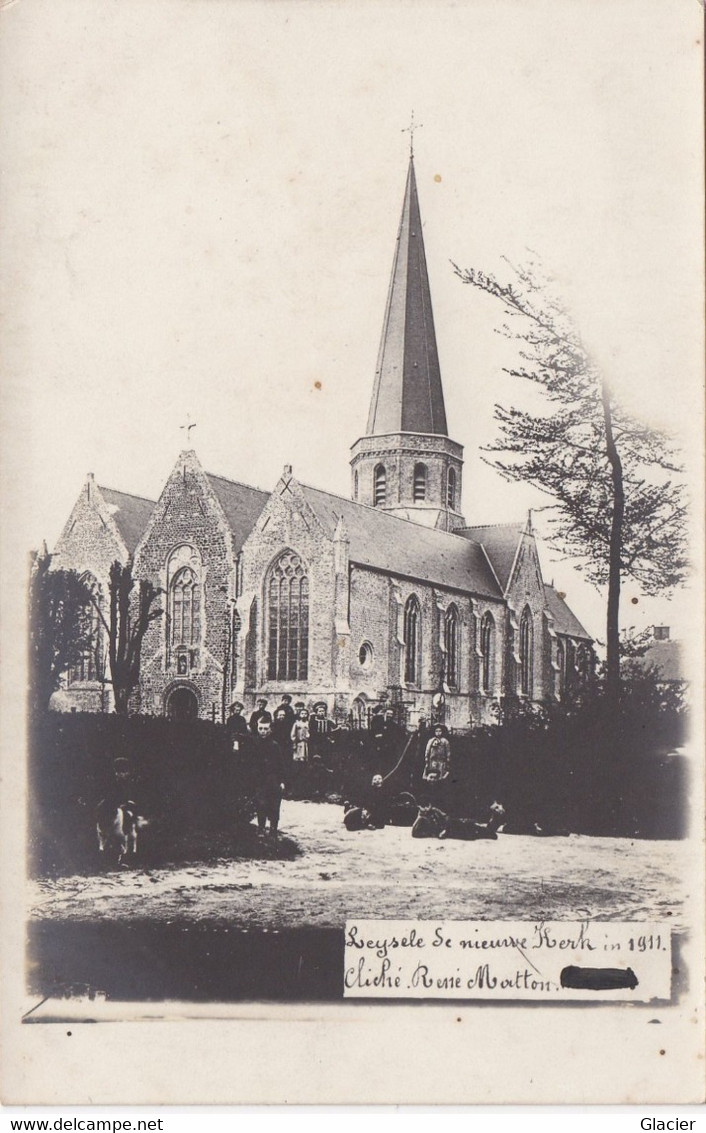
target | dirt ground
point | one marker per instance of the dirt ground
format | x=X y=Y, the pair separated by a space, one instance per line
x=387 y=874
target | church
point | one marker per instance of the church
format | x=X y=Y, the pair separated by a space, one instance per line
x=387 y=595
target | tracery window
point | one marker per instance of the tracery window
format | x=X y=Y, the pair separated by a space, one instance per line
x=526 y=650
x=451 y=489
x=451 y=645
x=412 y=640
x=86 y=667
x=288 y=619
x=379 y=485
x=487 y=652
x=184 y=623
x=185 y=608
x=419 y=487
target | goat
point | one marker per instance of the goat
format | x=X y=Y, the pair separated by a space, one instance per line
x=117 y=828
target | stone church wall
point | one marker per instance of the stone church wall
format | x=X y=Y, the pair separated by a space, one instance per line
x=527 y=590
x=188 y=515
x=377 y=604
x=370 y=623
x=88 y=544
x=287 y=523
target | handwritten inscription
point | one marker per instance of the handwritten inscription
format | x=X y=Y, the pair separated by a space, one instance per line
x=477 y=959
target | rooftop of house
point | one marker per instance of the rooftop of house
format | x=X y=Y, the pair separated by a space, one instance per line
x=665 y=655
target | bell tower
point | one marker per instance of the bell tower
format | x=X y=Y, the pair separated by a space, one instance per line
x=406 y=463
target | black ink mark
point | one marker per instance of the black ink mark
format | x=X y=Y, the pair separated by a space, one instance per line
x=598 y=979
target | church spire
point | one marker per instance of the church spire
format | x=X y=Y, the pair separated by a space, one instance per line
x=408 y=395
x=406 y=463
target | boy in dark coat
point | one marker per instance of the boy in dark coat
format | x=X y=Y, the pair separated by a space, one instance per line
x=267 y=768
x=236 y=728
x=260 y=710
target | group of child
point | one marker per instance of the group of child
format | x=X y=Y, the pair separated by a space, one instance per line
x=302 y=736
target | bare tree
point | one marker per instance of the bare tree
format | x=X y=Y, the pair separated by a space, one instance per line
x=620 y=507
x=59 y=627
x=129 y=617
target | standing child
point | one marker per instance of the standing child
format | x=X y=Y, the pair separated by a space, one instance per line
x=300 y=737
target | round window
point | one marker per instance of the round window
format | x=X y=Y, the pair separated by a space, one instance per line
x=365 y=655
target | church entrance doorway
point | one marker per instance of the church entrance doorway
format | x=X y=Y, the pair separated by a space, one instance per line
x=182 y=704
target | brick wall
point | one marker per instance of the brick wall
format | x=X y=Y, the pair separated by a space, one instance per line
x=399 y=453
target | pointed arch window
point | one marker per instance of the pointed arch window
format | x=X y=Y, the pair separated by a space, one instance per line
x=526 y=651
x=583 y=664
x=287 y=592
x=419 y=487
x=412 y=641
x=379 y=485
x=88 y=664
x=451 y=645
x=185 y=607
x=570 y=668
x=487 y=652
x=185 y=614
x=451 y=489
x=561 y=668
x=355 y=486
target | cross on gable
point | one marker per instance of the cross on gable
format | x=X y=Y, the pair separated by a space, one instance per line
x=188 y=426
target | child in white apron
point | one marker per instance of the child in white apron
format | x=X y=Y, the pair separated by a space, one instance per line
x=300 y=737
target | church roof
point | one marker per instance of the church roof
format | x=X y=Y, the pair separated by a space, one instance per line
x=500 y=542
x=565 y=621
x=241 y=504
x=130 y=513
x=397 y=546
x=407 y=395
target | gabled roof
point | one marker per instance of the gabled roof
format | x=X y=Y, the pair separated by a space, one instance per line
x=565 y=621
x=398 y=546
x=130 y=513
x=665 y=656
x=407 y=395
x=241 y=505
x=500 y=542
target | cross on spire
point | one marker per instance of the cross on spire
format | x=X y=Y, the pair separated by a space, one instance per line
x=410 y=130
x=188 y=426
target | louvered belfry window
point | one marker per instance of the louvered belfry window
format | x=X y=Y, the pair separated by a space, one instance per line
x=288 y=619
x=451 y=489
x=379 y=485
x=420 y=483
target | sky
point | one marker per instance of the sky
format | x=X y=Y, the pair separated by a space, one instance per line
x=200 y=201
